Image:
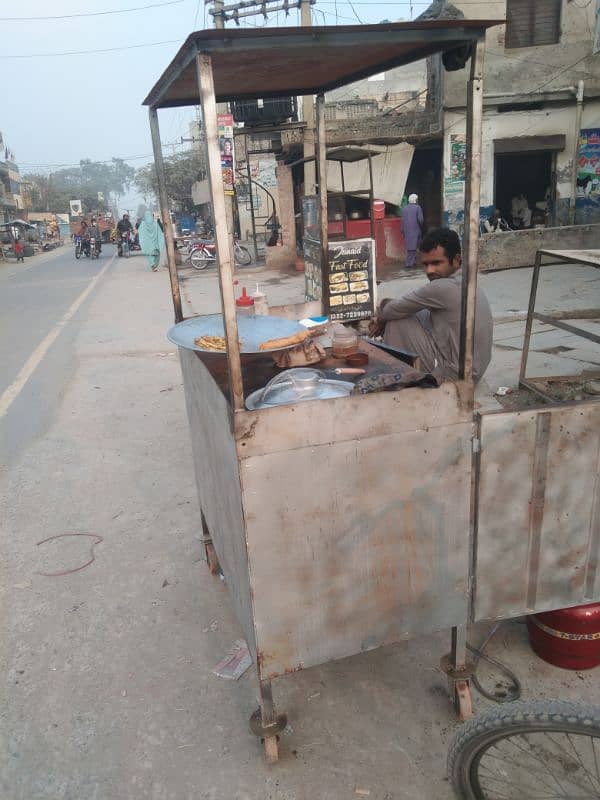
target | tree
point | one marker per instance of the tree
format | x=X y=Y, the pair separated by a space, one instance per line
x=52 y=192
x=181 y=171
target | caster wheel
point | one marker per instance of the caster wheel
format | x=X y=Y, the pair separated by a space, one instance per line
x=269 y=734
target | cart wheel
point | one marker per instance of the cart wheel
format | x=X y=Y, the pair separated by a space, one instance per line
x=268 y=733
x=463 y=700
x=212 y=559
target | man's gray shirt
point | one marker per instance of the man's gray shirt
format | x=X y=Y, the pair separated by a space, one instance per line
x=439 y=302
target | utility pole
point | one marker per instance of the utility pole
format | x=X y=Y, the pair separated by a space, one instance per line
x=308 y=115
x=223 y=108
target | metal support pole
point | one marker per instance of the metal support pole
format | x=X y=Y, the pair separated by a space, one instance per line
x=577 y=133
x=251 y=194
x=371 y=199
x=530 y=310
x=472 y=205
x=206 y=88
x=165 y=213
x=321 y=147
x=308 y=114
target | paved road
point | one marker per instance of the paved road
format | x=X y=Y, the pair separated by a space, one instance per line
x=41 y=309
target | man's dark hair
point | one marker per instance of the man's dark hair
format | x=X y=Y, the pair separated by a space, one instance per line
x=442 y=237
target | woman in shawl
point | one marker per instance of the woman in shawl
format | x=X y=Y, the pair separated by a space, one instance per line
x=412 y=229
x=152 y=240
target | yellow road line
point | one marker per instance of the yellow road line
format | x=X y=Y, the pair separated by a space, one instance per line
x=13 y=391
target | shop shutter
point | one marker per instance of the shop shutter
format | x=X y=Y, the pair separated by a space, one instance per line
x=530 y=23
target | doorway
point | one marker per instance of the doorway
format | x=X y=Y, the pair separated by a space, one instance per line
x=425 y=180
x=530 y=174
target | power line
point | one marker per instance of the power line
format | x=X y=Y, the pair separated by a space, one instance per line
x=91 y=13
x=86 y=52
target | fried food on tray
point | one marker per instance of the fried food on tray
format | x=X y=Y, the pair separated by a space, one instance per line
x=286 y=341
x=214 y=343
x=211 y=342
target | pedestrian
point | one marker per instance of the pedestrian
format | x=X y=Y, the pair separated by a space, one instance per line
x=152 y=240
x=411 y=225
x=19 y=251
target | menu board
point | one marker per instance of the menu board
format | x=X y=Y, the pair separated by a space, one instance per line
x=351 y=279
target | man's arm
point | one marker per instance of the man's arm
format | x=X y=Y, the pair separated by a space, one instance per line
x=430 y=296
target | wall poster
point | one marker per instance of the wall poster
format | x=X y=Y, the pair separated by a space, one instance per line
x=587 y=202
x=455 y=182
x=225 y=127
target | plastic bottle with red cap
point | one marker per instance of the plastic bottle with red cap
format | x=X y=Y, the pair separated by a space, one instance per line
x=245 y=304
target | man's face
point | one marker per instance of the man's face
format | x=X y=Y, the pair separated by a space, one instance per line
x=437 y=264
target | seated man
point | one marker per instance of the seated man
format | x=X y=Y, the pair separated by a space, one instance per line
x=427 y=321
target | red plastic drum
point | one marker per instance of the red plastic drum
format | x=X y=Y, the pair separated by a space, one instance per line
x=568 y=638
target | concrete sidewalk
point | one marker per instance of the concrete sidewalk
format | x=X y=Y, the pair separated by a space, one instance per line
x=109 y=693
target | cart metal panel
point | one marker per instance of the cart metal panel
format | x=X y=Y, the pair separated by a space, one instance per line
x=364 y=548
x=538 y=519
x=218 y=481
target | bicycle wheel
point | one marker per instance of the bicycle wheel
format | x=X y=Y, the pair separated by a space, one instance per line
x=537 y=750
x=126 y=249
x=199 y=259
x=242 y=255
x=77 y=251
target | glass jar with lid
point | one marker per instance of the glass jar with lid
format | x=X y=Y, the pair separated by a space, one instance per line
x=344 y=343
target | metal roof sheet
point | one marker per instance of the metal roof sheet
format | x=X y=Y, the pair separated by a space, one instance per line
x=278 y=62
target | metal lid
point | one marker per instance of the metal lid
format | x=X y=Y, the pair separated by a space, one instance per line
x=296 y=386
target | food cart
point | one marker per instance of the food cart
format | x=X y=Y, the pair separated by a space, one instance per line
x=349 y=523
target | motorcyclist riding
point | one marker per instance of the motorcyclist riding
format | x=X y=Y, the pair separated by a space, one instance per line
x=123 y=226
x=94 y=232
x=84 y=234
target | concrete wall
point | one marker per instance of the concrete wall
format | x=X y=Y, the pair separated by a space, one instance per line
x=518 y=248
x=526 y=68
x=547 y=121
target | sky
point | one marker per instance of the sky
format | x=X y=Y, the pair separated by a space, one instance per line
x=89 y=105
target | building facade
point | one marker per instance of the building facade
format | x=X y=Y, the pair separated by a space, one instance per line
x=541 y=122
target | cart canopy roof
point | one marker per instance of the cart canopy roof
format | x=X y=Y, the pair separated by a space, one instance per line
x=278 y=62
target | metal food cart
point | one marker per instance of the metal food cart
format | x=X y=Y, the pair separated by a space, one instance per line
x=346 y=524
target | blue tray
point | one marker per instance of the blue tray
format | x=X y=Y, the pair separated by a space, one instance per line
x=252 y=331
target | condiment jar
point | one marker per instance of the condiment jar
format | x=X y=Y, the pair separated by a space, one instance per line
x=261 y=307
x=344 y=343
x=244 y=304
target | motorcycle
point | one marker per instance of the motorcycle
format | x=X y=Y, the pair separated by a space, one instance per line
x=94 y=246
x=82 y=247
x=203 y=254
x=124 y=246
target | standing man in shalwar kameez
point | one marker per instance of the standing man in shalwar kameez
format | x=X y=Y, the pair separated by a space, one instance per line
x=412 y=229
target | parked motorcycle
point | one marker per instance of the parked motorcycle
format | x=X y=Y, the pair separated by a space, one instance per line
x=203 y=254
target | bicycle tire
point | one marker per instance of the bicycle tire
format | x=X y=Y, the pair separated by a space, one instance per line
x=242 y=255
x=126 y=250
x=77 y=252
x=474 y=741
